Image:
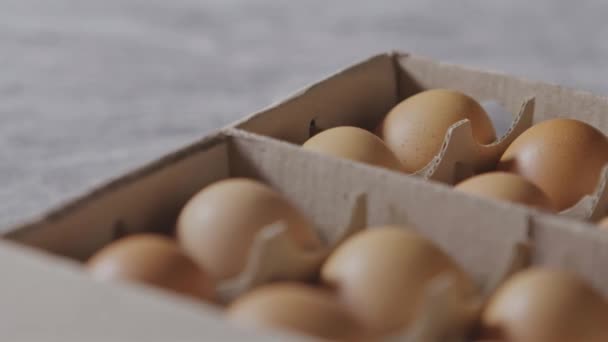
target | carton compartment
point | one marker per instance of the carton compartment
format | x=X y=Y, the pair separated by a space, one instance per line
x=363 y=94
x=323 y=188
x=489 y=239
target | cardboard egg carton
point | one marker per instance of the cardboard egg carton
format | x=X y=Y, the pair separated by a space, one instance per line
x=363 y=94
x=42 y=259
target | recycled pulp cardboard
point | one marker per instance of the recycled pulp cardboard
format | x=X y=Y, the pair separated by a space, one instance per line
x=479 y=234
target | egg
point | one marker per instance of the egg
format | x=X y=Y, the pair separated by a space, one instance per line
x=563 y=157
x=603 y=223
x=297 y=308
x=219 y=224
x=415 y=129
x=382 y=273
x=508 y=187
x=544 y=305
x=355 y=144
x=154 y=260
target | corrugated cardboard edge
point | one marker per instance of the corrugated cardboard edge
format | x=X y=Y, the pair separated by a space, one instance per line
x=460 y=149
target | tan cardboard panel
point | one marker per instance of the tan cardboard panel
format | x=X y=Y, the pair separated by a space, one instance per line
x=467 y=228
x=417 y=73
x=570 y=245
x=146 y=200
x=357 y=96
x=47 y=300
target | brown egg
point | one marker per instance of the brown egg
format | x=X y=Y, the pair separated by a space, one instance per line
x=416 y=127
x=382 y=275
x=218 y=225
x=506 y=186
x=546 y=306
x=298 y=308
x=603 y=223
x=564 y=157
x=151 y=259
x=355 y=144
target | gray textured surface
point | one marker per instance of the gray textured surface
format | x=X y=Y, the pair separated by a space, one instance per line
x=90 y=89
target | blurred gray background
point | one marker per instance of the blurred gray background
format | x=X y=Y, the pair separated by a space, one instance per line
x=90 y=89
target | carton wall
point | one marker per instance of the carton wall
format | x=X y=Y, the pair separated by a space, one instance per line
x=479 y=234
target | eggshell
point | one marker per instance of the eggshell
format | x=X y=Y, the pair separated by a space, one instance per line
x=355 y=144
x=546 y=306
x=603 y=223
x=218 y=225
x=154 y=260
x=508 y=187
x=298 y=308
x=564 y=157
x=415 y=129
x=382 y=274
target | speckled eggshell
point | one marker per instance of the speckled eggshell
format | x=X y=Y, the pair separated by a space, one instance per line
x=543 y=305
x=382 y=274
x=355 y=144
x=218 y=225
x=154 y=260
x=297 y=308
x=415 y=129
x=508 y=187
x=563 y=157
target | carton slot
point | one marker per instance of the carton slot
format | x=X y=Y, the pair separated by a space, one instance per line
x=318 y=184
x=323 y=106
x=275 y=257
x=461 y=156
x=321 y=187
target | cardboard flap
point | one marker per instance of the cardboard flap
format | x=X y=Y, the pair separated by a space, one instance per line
x=461 y=152
x=593 y=206
x=444 y=315
x=275 y=256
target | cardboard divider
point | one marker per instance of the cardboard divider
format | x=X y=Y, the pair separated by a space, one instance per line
x=594 y=206
x=571 y=245
x=323 y=188
x=461 y=156
x=274 y=256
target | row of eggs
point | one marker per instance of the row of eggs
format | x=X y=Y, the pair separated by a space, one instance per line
x=551 y=165
x=370 y=287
